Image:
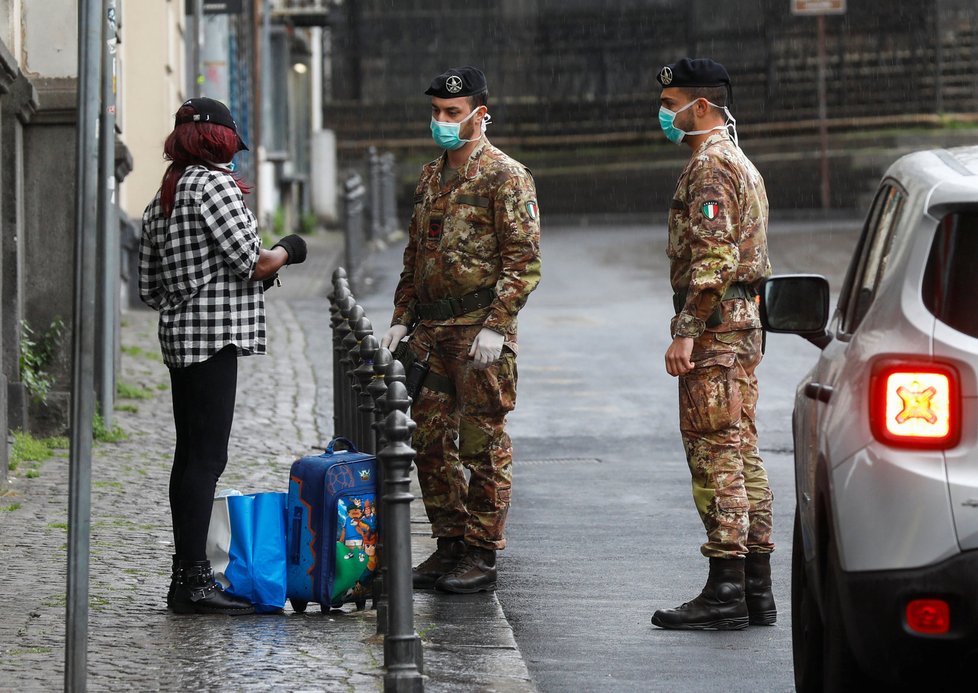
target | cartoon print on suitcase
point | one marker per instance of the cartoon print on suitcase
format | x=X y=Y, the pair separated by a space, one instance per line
x=332 y=528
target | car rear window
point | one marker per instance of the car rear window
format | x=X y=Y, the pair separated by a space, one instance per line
x=951 y=278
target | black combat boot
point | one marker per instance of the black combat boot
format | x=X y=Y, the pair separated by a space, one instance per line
x=757 y=581
x=197 y=592
x=450 y=550
x=476 y=572
x=720 y=606
x=174 y=577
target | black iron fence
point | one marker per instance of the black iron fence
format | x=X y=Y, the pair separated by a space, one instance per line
x=370 y=405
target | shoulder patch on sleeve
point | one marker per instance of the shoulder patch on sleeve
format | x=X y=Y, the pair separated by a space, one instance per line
x=710 y=209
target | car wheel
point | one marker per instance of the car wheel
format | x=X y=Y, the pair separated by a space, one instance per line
x=841 y=671
x=806 y=621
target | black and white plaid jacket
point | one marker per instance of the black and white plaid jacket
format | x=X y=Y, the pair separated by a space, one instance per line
x=195 y=269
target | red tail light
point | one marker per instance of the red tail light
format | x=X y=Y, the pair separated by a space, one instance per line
x=915 y=405
x=929 y=616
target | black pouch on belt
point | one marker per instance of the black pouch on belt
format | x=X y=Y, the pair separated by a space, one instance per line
x=416 y=374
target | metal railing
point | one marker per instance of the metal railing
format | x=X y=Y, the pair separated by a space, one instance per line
x=370 y=404
x=369 y=211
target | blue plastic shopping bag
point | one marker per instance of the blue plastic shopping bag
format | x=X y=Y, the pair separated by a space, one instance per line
x=246 y=547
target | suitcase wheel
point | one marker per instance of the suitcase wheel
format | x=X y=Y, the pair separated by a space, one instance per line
x=298 y=605
x=361 y=604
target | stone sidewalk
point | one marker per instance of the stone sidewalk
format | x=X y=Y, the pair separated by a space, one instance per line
x=283 y=411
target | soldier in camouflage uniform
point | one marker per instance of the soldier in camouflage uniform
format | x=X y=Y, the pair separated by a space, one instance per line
x=472 y=259
x=718 y=254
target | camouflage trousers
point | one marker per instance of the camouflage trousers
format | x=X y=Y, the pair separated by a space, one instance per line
x=717 y=412
x=464 y=430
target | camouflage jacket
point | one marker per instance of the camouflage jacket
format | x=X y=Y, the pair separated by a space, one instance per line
x=717 y=237
x=481 y=230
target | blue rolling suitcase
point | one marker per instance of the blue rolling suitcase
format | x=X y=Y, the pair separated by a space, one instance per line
x=332 y=528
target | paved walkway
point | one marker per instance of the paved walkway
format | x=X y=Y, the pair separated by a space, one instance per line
x=283 y=411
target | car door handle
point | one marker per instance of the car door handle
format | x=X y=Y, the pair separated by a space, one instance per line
x=822 y=393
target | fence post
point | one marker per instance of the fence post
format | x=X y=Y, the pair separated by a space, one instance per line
x=402 y=646
x=349 y=363
x=378 y=391
x=353 y=193
x=340 y=293
x=364 y=374
x=373 y=190
x=388 y=195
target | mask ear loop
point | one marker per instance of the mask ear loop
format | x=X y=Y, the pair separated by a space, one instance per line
x=486 y=121
x=731 y=125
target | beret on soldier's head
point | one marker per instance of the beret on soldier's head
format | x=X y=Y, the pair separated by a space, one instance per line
x=694 y=72
x=458 y=81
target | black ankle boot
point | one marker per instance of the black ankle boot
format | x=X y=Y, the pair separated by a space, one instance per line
x=759 y=597
x=174 y=577
x=476 y=572
x=450 y=550
x=197 y=592
x=720 y=606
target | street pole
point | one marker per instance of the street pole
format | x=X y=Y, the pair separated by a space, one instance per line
x=108 y=286
x=90 y=30
x=198 y=47
x=823 y=128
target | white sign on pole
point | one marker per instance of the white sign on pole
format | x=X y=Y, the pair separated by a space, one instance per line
x=814 y=7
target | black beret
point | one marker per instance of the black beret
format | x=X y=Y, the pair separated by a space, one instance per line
x=209 y=111
x=458 y=81
x=695 y=72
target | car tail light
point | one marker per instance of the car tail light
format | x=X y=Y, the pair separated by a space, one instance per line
x=929 y=616
x=915 y=405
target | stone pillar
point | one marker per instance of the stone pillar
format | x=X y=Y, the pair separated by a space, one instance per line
x=49 y=237
x=13 y=106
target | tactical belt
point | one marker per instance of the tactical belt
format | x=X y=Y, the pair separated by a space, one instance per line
x=448 y=308
x=733 y=291
x=432 y=381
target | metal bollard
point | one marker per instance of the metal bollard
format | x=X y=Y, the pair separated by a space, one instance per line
x=402 y=646
x=378 y=390
x=349 y=364
x=388 y=195
x=340 y=293
x=364 y=374
x=361 y=328
x=376 y=227
x=353 y=232
x=345 y=304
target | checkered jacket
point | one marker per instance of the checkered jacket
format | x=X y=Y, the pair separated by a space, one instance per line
x=195 y=269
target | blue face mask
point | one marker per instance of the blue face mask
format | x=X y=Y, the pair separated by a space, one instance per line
x=446 y=135
x=667 y=120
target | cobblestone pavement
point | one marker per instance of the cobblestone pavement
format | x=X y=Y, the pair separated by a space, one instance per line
x=283 y=411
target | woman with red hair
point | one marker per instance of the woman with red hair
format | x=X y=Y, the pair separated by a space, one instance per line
x=201 y=265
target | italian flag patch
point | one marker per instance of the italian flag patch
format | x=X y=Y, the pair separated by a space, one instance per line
x=711 y=209
x=532 y=209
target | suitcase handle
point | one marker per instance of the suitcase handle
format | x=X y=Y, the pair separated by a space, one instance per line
x=346 y=441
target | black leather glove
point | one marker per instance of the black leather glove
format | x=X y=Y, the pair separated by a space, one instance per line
x=270 y=282
x=295 y=247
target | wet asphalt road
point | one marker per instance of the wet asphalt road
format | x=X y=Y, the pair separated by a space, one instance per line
x=602 y=530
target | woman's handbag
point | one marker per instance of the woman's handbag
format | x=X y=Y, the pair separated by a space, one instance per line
x=246 y=548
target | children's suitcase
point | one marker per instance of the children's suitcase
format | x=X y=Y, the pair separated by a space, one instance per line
x=332 y=528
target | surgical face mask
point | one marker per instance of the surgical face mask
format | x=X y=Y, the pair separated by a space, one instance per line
x=667 y=120
x=446 y=135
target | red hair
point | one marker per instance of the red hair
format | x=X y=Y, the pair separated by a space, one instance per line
x=195 y=144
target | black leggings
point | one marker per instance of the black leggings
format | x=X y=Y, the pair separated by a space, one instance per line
x=203 y=409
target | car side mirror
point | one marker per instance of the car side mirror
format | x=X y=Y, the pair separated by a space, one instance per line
x=796 y=304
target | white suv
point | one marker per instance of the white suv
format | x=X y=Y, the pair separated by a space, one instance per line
x=884 y=583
